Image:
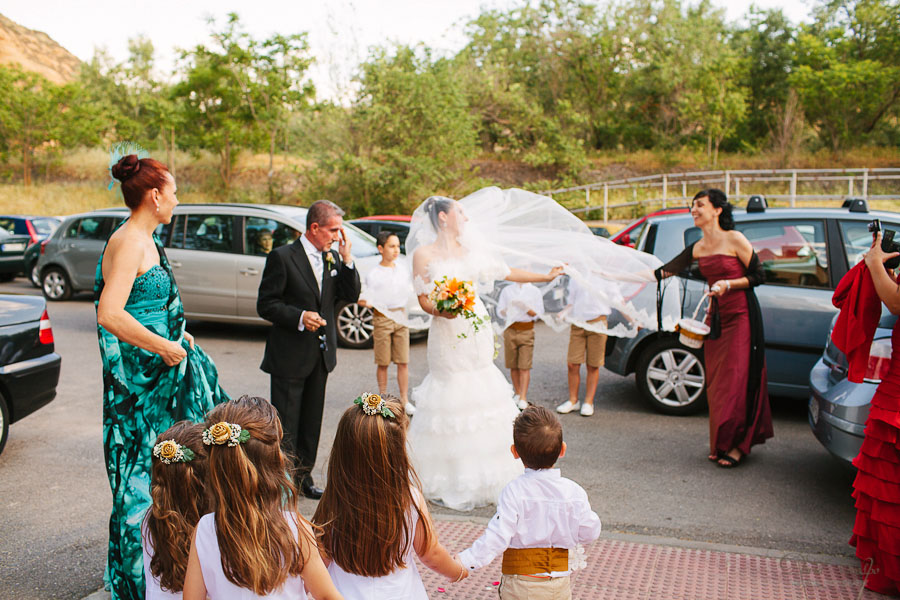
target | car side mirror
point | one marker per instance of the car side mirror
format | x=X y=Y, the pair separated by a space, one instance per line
x=625 y=240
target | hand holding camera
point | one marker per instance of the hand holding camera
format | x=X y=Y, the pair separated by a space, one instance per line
x=884 y=249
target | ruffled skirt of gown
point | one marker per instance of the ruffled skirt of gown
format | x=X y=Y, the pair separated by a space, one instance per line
x=460 y=436
x=876 y=532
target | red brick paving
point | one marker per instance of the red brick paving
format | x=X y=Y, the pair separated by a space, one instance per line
x=624 y=570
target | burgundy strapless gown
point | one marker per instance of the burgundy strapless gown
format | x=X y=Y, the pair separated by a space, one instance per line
x=735 y=421
x=876 y=532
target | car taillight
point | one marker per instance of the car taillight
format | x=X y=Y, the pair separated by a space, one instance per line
x=44 y=246
x=46 y=334
x=879 y=360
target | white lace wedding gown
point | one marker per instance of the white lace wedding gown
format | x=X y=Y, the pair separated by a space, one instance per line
x=459 y=438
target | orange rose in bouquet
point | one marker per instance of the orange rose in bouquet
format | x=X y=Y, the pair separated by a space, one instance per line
x=451 y=295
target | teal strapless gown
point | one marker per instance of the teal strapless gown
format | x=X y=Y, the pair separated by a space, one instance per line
x=142 y=397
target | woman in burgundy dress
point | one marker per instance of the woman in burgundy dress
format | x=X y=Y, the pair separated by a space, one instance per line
x=876 y=532
x=733 y=354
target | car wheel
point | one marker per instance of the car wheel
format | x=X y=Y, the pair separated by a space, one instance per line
x=671 y=377
x=354 y=325
x=55 y=284
x=35 y=276
x=4 y=423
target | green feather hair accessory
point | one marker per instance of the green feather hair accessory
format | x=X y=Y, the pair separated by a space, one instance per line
x=120 y=150
x=373 y=404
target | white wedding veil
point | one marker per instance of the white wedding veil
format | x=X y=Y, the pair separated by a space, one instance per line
x=518 y=229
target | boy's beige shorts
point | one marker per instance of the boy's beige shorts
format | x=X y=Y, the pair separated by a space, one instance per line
x=523 y=587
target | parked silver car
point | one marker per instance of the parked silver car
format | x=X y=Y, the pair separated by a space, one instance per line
x=838 y=408
x=217 y=252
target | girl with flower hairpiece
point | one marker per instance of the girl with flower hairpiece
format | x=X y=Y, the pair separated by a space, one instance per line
x=254 y=543
x=372 y=516
x=179 y=500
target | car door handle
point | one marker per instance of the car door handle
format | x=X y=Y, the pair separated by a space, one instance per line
x=175 y=264
x=249 y=271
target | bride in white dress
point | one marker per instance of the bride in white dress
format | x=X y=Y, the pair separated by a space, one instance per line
x=460 y=437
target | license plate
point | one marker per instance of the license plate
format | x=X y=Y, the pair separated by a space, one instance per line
x=14 y=247
x=814 y=410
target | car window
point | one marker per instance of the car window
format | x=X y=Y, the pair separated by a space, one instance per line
x=45 y=226
x=262 y=235
x=691 y=235
x=858 y=238
x=89 y=228
x=792 y=251
x=211 y=233
x=362 y=245
x=8 y=225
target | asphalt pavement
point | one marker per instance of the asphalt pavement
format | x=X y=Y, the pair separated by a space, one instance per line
x=646 y=473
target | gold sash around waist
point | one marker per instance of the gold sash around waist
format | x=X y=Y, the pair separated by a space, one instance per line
x=529 y=561
x=522 y=325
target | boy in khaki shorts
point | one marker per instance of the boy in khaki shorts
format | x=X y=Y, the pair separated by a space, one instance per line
x=388 y=287
x=520 y=304
x=541 y=517
x=585 y=347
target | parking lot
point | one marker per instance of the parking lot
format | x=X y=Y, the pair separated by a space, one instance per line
x=645 y=473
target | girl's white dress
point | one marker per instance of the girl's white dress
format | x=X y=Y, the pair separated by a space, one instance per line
x=153 y=591
x=460 y=436
x=403 y=583
x=217 y=585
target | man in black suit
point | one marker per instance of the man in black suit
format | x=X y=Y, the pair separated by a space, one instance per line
x=298 y=291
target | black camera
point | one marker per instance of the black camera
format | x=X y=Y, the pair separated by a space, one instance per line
x=888 y=244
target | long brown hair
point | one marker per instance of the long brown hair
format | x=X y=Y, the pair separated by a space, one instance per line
x=364 y=512
x=250 y=492
x=179 y=500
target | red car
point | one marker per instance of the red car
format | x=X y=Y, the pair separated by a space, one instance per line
x=632 y=234
x=375 y=224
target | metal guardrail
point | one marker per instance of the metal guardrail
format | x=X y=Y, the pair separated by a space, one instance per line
x=857 y=181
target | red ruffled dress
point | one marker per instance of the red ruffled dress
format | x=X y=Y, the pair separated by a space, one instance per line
x=876 y=532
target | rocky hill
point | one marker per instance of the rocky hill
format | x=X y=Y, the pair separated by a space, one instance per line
x=36 y=51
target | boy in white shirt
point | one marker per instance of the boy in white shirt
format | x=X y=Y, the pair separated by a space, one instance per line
x=585 y=346
x=541 y=516
x=520 y=304
x=387 y=290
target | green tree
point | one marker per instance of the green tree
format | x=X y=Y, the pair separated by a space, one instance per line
x=409 y=134
x=848 y=68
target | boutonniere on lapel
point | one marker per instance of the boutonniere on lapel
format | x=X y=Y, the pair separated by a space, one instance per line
x=329 y=262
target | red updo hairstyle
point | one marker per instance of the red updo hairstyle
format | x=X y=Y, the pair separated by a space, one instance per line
x=138 y=176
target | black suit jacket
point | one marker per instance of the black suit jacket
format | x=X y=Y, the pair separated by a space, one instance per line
x=287 y=288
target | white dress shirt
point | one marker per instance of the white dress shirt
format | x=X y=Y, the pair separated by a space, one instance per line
x=587 y=306
x=538 y=509
x=318 y=267
x=389 y=287
x=517 y=299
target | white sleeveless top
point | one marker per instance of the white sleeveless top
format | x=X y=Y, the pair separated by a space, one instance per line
x=152 y=591
x=403 y=583
x=217 y=585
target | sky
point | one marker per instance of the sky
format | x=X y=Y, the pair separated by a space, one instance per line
x=340 y=31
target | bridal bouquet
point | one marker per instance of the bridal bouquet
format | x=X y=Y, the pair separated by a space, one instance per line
x=450 y=295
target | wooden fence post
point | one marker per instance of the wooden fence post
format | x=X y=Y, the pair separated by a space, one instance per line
x=665 y=190
x=605 y=203
x=865 y=184
x=793 y=188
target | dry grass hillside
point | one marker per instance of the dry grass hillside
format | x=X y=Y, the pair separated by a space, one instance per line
x=36 y=51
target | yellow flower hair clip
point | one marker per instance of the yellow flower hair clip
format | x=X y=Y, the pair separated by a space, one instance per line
x=373 y=404
x=170 y=451
x=225 y=433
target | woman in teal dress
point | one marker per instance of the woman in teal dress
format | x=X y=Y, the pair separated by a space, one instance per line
x=153 y=374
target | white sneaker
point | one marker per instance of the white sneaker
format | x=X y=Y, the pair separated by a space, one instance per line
x=410 y=409
x=587 y=409
x=522 y=404
x=566 y=407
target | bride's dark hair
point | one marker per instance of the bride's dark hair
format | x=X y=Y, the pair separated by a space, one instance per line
x=436 y=205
